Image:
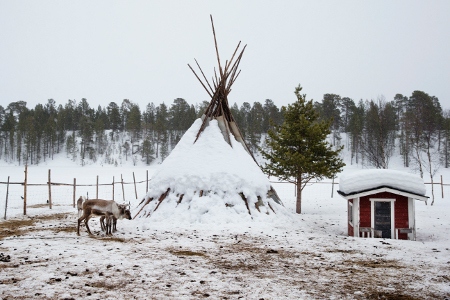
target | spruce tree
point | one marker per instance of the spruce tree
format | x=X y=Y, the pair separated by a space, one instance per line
x=297 y=150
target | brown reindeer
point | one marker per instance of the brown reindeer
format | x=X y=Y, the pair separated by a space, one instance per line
x=106 y=208
x=80 y=205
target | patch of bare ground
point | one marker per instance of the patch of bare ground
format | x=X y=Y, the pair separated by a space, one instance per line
x=110 y=239
x=107 y=284
x=181 y=253
x=218 y=268
x=17 y=227
x=320 y=274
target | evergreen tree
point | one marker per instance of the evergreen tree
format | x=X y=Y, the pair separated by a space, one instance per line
x=254 y=125
x=161 y=126
x=148 y=118
x=133 y=124
x=355 y=130
x=148 y=151
x=114 y=119
x=271 y=115
x=297 y=150
x=331 y=105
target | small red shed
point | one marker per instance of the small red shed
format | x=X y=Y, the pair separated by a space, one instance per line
x=381 y=203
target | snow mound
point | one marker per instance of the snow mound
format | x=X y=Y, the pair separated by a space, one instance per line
x=208 y=181
x=373 y=178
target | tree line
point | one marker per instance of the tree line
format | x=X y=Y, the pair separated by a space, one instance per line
x=416 y=126
x=33 y=135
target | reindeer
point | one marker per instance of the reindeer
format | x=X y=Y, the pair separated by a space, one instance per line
x=107 y=208
x=80 y=205
x=114 y=219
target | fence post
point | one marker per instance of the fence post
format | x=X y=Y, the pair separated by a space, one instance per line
x=49 y=189
x=7 y=193
x=113 y=188
x=135 y=190
x=25 y=191
x=442 y=187
x=74 y=191
x=96 y=192
x=123 y=191
x=146 y=184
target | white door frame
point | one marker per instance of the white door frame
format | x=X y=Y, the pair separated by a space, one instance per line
x=372 y=213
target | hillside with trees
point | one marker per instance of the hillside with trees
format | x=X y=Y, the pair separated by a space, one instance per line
x=112 y=133
x=416 y=127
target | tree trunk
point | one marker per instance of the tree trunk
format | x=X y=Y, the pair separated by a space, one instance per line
x=298 y=207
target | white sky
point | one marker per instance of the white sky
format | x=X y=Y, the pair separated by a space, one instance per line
x=111 y=50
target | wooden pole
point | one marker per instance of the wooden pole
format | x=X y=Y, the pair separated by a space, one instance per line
x=442 y=187
x=123 y=191
x=25 y=191
x=113 y=188
x=146 y=183
x=74 y=191
x=96 y=192
x=135 y=190
x=7 y=193
x=49 y=189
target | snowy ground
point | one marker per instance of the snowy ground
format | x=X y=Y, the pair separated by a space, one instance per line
x=306 y=257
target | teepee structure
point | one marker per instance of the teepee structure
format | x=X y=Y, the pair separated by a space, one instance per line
x=211 y=172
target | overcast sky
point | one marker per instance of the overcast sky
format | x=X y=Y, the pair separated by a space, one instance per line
x=139 y=50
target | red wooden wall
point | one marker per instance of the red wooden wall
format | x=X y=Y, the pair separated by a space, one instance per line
x=400 y=208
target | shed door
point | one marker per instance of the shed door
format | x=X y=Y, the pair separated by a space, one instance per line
x=383 y=218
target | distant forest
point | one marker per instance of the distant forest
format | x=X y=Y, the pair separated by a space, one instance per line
x=415 y=126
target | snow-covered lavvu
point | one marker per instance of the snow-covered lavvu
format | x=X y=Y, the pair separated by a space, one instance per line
x=205 y=248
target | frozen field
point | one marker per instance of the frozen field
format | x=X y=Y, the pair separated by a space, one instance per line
x=307 y=256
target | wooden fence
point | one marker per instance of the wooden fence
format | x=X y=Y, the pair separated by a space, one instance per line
x=122 y=183
x=74 y=186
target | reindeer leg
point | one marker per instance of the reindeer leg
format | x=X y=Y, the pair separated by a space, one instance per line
x=108 y=224
x=102 y=223
x=79 y=221
x=87 y=226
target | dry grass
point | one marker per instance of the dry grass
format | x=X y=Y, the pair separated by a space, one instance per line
x=185 y=253
x=380 y=263
x=111 y=239
x=107 y=284
x=372 y=295
x=14 y=227
x=17 y=227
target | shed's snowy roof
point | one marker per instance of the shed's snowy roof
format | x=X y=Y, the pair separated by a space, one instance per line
x=364 y=180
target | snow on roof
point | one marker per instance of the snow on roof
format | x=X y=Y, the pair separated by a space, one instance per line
x=210 y=165
x=358 y=181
